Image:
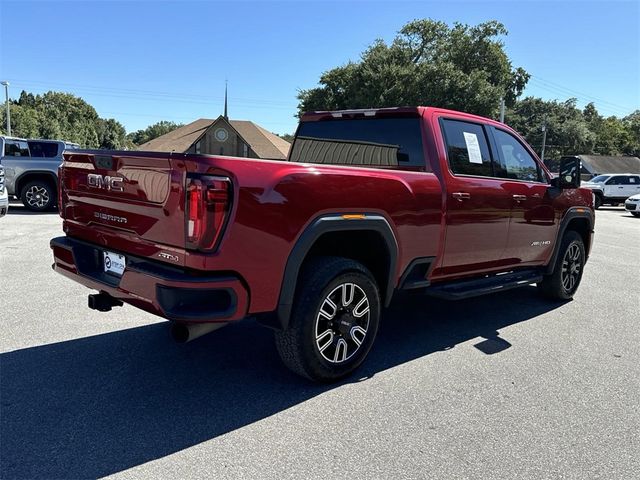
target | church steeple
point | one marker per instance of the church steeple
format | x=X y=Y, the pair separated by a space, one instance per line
x=226 y=117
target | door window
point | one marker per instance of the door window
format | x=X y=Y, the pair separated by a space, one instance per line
x=43 y=149
x=616 y=181
x=16 y=148
x=515 y=161
x=467 y=148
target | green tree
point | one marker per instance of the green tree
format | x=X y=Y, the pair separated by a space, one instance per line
x=63 y=116
x=153 y=131
x=286 y=136
x=428 y=63
x=567 y=129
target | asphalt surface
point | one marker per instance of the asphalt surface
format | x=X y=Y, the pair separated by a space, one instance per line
x=504 y=386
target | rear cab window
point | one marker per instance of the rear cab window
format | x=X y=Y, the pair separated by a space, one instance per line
x=391 y=142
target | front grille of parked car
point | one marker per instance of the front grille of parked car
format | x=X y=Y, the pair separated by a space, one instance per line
x=1 y=180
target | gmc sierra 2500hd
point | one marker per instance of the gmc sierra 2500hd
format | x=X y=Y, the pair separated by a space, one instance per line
x=369 y=202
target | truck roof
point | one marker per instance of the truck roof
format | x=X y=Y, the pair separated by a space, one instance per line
x=388 y=112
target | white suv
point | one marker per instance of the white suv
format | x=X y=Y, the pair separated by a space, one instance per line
x=613 y=188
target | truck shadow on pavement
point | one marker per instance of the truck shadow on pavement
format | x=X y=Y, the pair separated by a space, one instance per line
x=95 y=406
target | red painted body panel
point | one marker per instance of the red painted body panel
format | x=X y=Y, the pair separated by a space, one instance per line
x=273 y=202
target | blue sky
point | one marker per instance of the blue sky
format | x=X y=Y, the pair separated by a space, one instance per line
x=145 y=61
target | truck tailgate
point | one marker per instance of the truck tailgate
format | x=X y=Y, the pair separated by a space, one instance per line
x=137 y=195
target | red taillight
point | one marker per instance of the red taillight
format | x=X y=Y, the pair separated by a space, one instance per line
x=207 y=204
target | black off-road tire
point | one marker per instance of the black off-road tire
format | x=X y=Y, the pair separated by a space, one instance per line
x=635 y=214
x=563 y=283
x=38 y=196
x=298 y=345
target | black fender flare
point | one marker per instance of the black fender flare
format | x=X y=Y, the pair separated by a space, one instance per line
x=318 y=227
x=572 y=213
x=24 y=177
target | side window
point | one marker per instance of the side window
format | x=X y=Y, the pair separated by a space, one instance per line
x=13 y=148
x=634 y=181
x=43 y=149
x=614 y=181
x=515 y=160
x=467 y=148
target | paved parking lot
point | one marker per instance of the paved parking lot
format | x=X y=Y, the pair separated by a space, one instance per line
x=505 y=386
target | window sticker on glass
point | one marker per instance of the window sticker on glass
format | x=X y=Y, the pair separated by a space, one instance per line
x=471 y=139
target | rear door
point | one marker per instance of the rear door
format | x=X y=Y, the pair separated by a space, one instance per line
x=478 y=206
x=631 y=185
x=533 y=224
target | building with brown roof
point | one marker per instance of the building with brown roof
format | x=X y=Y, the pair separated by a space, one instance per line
x=593 y=165
x=221 y=136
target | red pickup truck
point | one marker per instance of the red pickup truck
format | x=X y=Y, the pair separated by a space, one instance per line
x=368 y=203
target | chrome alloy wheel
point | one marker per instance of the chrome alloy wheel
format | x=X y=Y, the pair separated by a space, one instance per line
x=571 y=265
x=37 y=196
x=342 y=323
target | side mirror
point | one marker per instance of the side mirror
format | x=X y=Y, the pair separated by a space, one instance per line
x=569 y=176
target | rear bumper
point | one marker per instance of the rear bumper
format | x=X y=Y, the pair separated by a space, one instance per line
x=154 y=287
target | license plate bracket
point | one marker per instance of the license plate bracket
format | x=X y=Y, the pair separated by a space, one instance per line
x=114 y=263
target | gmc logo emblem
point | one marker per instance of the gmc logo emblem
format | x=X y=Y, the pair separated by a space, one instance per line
x=106 y=182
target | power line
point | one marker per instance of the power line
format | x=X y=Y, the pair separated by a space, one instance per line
x=604 y=105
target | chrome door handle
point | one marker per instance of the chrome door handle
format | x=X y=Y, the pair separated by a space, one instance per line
x=519 y=198
x=460 y=196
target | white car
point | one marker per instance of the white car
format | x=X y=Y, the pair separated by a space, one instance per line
x=632 y=205
x=4 y=197
x=613 y=188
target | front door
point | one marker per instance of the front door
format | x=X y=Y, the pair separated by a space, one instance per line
x=533 y=225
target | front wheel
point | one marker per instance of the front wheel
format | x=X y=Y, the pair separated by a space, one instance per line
x=567 y=273
x=597 y=201
x=635 y=214
x=334 y=320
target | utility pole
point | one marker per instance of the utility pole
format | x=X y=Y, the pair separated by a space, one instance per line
x=501 y=109
x=6 y=97
x=544 y=137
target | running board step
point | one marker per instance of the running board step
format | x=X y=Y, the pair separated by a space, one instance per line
x=481 y=286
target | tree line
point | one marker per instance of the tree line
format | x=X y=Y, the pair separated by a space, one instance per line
x=460 y=67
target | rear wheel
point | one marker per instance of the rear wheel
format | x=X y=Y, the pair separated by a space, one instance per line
x=38 y=196
x=567 y=273
x=334 y=320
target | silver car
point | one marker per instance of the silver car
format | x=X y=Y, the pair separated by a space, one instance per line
x=31 y=170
